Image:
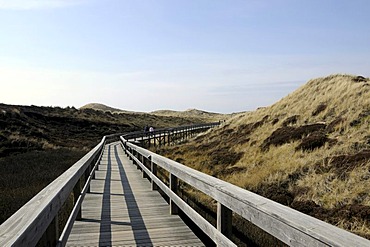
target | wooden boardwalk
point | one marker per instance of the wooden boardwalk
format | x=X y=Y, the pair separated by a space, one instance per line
x=122 y=210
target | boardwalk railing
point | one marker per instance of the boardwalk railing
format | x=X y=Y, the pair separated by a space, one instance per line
x=167 y=135
x=286 y=224
x=37 y=221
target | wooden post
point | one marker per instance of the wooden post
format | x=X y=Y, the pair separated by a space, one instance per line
x=173 y=186
x=224 y=220
x=129 y=151
x=51 y=235
x=153 y=168
x=136 y=155
x=169 y=138
x=87 y=172
x=76 y=195
x=143 y=161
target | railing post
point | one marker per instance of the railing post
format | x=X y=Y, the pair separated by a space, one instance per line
x=76 y=195
x=87 y=172
x=173 y=186
x=51 y=235
x=143 y=162
x=153 y=168
x=169 y=138
x=136 y=155
x=224 y=220
x=129 y=151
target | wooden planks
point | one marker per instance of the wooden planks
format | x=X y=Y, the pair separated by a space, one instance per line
x=123 y=210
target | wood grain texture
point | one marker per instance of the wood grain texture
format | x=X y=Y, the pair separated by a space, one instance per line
x=122 y=210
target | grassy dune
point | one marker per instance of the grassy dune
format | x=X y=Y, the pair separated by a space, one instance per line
x=309 y=151
x=193 y=113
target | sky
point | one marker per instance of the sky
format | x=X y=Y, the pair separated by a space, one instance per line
x=144 y=55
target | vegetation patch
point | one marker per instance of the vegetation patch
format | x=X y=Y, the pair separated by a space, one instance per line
x=363 y=115
x=359 y=79
x=290 y=120
x=313 y=141
x=276 y=192
x=224 y=157
x=320 y=108
x=341 y=165
x=275 y=121
x=287 y=134
x=334 y=123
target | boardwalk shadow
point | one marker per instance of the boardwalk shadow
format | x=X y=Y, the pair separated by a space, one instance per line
x=141 y=235
x=111 y=222
x=105 y=237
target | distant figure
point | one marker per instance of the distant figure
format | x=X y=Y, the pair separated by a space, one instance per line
x=151 y=129
x=146 y=128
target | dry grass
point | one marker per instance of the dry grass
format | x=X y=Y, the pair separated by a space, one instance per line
x=193 y=113
x=329 y=191
x=333 y=176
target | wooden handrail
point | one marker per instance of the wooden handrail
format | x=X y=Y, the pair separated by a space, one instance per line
x=286 y=224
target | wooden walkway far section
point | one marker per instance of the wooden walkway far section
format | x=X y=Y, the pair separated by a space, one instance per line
x=122 y=210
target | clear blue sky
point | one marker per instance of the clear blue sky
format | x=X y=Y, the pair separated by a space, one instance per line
x=143 y=55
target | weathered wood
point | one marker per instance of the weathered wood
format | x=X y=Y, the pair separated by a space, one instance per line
x=224 y=220
x=173 y=186
x=153 y=169
x=76 y=195
x=51 y=234
x=288 y=225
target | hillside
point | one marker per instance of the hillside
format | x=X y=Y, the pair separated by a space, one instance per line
x=101 y=107
x=105 y=108
x=192 y=113
x=309 y=151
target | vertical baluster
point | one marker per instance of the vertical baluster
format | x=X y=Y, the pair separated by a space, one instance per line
x=76 y=194
x=153 y=168
x=173 y=186
x=224 y=220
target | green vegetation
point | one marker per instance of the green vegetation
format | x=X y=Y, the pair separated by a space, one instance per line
x=309 y=151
